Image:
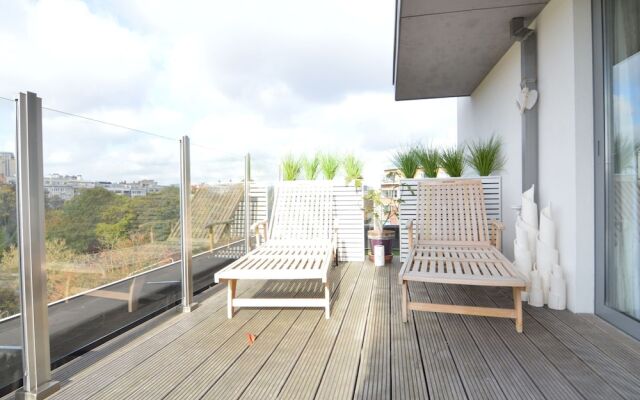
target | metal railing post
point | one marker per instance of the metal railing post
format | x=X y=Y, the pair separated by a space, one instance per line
x=247 y=203
x=187 y=304
x=36 y=357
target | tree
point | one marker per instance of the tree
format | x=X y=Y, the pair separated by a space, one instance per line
x=79 y=218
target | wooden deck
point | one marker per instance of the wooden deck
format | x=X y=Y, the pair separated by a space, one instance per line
x=364 y=351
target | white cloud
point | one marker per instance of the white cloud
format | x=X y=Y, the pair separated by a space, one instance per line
x=246 y=76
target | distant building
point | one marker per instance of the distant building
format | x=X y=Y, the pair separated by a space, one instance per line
x=67 y=187
x=8 y=167
x=390 y=185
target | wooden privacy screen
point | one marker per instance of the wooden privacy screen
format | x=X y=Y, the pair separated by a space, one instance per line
x=491 y=186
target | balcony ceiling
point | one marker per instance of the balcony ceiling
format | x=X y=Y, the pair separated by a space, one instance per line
x=446 y=47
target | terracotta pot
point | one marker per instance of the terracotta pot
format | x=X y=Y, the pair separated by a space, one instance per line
x=384 y=238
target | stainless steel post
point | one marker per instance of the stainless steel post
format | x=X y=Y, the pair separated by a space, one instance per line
x=36 y=361
x=247 y=203
x=187 y=304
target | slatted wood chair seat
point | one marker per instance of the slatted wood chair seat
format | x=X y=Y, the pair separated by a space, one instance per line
x=299 y=243
x=450 y=243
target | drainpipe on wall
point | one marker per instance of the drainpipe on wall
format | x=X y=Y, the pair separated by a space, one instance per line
x=528 y=78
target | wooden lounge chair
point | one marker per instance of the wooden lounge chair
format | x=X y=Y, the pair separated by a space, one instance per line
x=449 y=243
x=301 y=245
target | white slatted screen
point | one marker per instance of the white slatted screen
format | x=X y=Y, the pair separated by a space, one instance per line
x=349 y=214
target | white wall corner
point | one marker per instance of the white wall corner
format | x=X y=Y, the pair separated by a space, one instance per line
x=584 y=174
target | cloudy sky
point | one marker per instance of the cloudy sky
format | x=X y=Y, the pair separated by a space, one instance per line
x=265 y=77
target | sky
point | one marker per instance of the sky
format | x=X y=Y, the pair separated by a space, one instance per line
x=267 y=78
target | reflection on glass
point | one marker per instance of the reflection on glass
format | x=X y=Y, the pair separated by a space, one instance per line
x=623 y=263
x=112 y=228
x=217 y=212
x=10 y=333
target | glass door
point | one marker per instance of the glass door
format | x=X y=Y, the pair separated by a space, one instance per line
x=621 y=276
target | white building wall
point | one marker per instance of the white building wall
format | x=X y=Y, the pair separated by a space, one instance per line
x=491 y=110
x=565 y=134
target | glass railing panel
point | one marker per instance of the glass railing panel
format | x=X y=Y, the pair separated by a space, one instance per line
x=217 y=210
x=10 y=329
x=112 y=228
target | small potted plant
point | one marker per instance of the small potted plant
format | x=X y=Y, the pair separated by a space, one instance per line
x=380 y=210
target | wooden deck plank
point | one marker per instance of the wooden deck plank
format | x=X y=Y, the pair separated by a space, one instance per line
x=443 y=379
x=363 y=351
x=98 y=374
x=183 y=355
x=476 y=375
x=210 y=358
x=305 y=377
x=244 y=370
x=407 y=371
x=502 y=363
x=374 y=371
x=624 y=382
x=584 y=379
x=613 y=333
x=269 y=381
x=618 y=352
x=547 y=378
x=339 y=379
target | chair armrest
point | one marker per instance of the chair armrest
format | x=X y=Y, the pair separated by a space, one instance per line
x=496 y=233
x=409 y=227
x=261 y=234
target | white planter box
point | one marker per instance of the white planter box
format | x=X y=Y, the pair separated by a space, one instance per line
x=349 y=212
x=492 y=187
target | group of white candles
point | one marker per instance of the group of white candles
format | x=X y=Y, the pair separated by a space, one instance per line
x=536 y=255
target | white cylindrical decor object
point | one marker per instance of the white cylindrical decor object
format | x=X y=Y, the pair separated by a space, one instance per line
x=529 y=193
x=529 y=213
x=546 y=257
x=547 y=227
x=532 y=235
x=378 y=255
x=523 y=260
x=536 y=295
x=522 y=237
x=557 y=289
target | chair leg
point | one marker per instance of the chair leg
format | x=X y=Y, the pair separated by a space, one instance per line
x=405 y=301
x=517 y=302
x=327 y=298
x=231 y=294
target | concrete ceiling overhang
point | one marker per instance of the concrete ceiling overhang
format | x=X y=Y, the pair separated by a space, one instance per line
x=444 y=48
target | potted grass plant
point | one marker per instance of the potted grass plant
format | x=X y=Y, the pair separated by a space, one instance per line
x=311 y=167
x=380 y=210
x=291 y=168
x=329 y=165
x=353 y=170
x=428 y=159
x=406 y=162
x=486 y=156
x=453 y=161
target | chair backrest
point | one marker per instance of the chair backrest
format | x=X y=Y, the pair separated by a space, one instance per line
x=302 y=210
x=451 y=210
